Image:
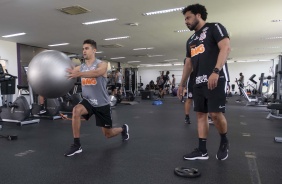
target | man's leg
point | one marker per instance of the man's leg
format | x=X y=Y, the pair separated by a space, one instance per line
x=41 y=101
x=200 y=153
x=112 y=132
x=78 y=110
x=187 y=107
x=221 y=125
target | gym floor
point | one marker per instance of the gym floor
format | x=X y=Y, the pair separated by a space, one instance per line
x=158 y=140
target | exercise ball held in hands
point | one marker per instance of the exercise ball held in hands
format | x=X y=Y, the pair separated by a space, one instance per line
x=47 y=74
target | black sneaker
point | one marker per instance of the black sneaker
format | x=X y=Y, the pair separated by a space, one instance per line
x=187 y=120
x=124 y=133
x=74 y=149
x=222 y=153
x=42 y=110
x=196 y=155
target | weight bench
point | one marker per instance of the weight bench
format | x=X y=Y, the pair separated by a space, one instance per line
x=275 y=112
x=251 y=100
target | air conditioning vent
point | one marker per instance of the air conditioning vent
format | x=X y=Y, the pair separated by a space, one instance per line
x=74 y=10
x=141 y=55
x=112 y=46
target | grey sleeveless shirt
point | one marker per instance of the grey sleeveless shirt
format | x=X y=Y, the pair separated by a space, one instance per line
x=94 y=90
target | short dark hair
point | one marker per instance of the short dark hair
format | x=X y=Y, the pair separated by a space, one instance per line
x=91 y=42
x=195 y=9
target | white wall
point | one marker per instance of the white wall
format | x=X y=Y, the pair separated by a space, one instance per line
x=8 y=51
x=248 y=69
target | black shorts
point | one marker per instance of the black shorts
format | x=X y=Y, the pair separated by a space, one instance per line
x=206 y=100
x=118 y=86
x=190 y=89
x=113 y=87
x=102 y=114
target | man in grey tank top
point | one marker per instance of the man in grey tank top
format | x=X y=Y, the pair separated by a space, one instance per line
x=96 y=101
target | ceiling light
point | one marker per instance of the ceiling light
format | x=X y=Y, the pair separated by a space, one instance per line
x=59 y=44
x=181 y=31
x=133 y=61
x=178 y=64
x=263 y=48
x=100 y=21
x=164 y=11
x=144 y=48
x=171 y=60
x=273 y=38
x=154 y=55
x=12 y=35
x=117 y=38
x=99 y=52
x=118 y=58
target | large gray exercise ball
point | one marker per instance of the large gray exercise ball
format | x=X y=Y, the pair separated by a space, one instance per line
x=47 y=74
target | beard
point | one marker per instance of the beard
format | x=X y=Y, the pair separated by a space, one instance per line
x=193 y=26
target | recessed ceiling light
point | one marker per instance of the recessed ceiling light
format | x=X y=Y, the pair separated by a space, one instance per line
x=12 y=35
x=59 y=44
x=164 y=11
x=133 y=61
x=118 y=58
x=144 y=48
x=100 y=21
x=117 y=38
x=181 y=31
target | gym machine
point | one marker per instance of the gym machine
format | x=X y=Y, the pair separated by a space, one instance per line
x=19 y=111
x=71 y=99
x=256 y=97
x=276 y=107
x=52 y=105
x=130 y=82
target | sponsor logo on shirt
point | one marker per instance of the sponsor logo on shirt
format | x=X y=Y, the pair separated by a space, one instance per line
x=201 y=79
x=88 y=81
x=197 y=50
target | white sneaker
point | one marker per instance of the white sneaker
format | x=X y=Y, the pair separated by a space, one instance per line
x=210 y=121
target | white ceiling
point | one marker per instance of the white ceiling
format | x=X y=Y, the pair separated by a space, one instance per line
x=247 y=21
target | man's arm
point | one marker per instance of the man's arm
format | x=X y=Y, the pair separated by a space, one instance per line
x=101 y=70
x=224 y=49
x=187 y=69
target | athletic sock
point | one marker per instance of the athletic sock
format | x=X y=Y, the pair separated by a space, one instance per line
x=223 y=138
x=202 y=145
x=187 y=116
x=42 y=106
x=76 y=141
